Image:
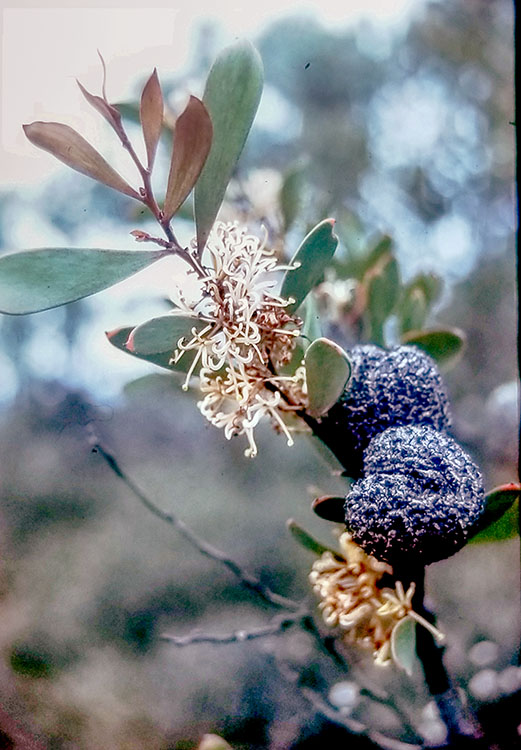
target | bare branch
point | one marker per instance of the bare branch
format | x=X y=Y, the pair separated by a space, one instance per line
x=245 y=578
x=277 y=626
x=354 y=726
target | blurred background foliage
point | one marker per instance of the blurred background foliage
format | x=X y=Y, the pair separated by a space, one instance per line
x=406 y=133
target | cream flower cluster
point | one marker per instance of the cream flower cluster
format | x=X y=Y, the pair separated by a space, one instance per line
x=348 y=585
x=246 y=335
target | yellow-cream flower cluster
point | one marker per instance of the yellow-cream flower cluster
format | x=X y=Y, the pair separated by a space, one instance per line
x=353 y=599
x=246 y=335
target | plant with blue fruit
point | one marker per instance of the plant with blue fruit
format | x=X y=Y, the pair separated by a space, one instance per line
x=245 y=333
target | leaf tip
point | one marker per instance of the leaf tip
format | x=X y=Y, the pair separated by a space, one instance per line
x=111 y=334
x=510 y=487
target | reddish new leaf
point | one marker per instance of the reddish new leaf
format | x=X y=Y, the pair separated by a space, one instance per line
x=110 y=113
x=330 y=508
x=72 y=149
x=151 y=115
x=192 y=141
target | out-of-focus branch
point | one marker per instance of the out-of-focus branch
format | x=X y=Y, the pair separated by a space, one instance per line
x=277 y=626
x=462 y=728
x=354 y=726
x=245 y=578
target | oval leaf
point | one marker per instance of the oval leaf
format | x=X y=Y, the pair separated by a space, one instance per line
x=330 y=508
x=35 y=280
x=231 y=96
x=305 y=540
x=192 y=141
x=403 y=644
x=311 y=328
x=151 y=116
x=429 y=283
x=154 y=381
x=327 y=371
x=413 y=310
x=506 y=527
x=313 y=256
x=382 y=282
x=213 y=742
x=290 y=196
x=72 y=149
x=162 y=333
x=444 y=346
x=497 y=502
x=119 y=338
x=374 y=253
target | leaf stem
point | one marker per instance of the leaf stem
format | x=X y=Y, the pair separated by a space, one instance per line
x=148 y=199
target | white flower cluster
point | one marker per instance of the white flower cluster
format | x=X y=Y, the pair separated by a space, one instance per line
x=247 y=334
x=353 y=599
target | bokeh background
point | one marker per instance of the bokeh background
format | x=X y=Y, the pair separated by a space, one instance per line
x=399 y=117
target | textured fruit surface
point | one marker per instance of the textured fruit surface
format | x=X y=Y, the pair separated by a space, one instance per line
x=387 y=388
x=420 y=495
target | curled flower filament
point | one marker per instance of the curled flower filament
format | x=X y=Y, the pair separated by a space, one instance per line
x=246 y=335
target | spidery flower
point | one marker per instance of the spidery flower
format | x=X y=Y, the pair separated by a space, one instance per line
x=246 y=336
x=353 y=599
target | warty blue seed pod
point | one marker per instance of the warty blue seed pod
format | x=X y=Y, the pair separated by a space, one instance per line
x=387 y=388
x=419 y=498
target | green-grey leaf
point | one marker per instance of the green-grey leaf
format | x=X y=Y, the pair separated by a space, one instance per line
x=327 y=371
x=430 y=284
x=413 y=309
x=311 y=328
x=497 y=502
x=505 y=527
x=35 y=280
x=313 y=256
x=306 y=540
x=213 y=742
x=403 y=644
x=231 y=96
x=154 y=381
x=119 y=338
x=382 y=282
x=383 y=247
x=161 y=334
x=290 y=196
x=444 y=346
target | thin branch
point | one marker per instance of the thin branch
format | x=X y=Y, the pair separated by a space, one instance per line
x=354 y=726
x=461 y=724
x=277 y=626
x=245 y=578
x=329 y=645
